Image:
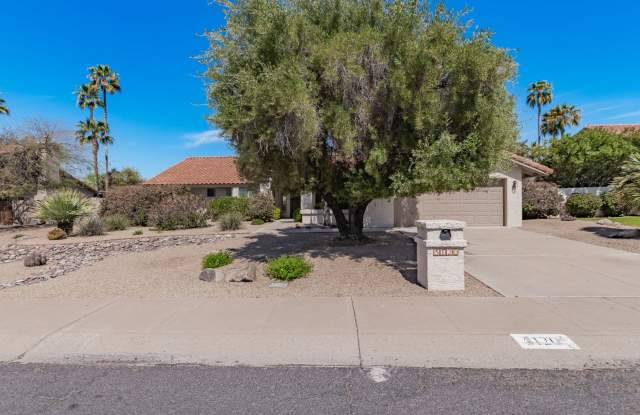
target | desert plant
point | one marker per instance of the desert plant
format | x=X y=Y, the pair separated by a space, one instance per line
x=583 y=205
x=217 y=259
x=288 y=268
x=627 y=184
x=257 y=222
x=261 y=206
x=613 y=204
x=540 y=200
x=63 y=207
x=180 y=211
x=230 y=221
x=277 y=213
x=297 y=216
x=228 y=204
x=135 y=202
x=116 y=222
x=91 y=226
x=18 y=236
x=55 y=234
x=138 y=232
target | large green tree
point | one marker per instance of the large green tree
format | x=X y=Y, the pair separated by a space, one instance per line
x=358 y=100
x=539 y=93
x=108 y=82
x=590 y=158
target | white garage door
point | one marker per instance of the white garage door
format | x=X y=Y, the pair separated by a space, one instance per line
x=481 y=207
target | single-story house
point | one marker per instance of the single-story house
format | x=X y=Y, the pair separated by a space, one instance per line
x=209 y=177
x=498 y=204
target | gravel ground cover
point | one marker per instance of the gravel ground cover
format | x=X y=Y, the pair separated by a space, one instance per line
x=386 y=266
x=583 y=231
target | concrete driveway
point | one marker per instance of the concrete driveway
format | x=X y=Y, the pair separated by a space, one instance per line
x=519 y=263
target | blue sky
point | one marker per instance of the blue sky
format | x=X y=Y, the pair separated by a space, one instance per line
x=589 y=50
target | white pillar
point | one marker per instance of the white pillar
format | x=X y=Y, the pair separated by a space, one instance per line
x=440 y=253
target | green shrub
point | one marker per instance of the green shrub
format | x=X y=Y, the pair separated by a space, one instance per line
x=138 y=232
x=288 y=268
x=18 y=236
x=230 y=221
x=63 y=207
x=261 y=206
x=257 y=222
x=179 y=211
x=583 y=205
x=540 y=200
x=297 y=216
x=116 y=222
x=217 y=259
x=277 y=213
x=228 y=204
x=55 y=234
x=136 y=202
x=613 y=204
x=91 y=226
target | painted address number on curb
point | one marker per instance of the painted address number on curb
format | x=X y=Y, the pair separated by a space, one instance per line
x=545 y=341
x=445 y=252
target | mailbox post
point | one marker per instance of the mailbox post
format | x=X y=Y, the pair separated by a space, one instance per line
x=440 y=245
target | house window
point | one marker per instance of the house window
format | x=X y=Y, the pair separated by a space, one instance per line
x=223 y=191
x=245 y=192
x=211 y=192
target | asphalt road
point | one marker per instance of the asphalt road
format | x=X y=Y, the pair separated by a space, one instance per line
x=105 y=389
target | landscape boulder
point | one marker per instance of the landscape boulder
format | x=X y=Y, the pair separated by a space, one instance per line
x=35 y=259
x=236 y=272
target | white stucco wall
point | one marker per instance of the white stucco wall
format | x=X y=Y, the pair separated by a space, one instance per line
x=512 y=195
x=380 y=212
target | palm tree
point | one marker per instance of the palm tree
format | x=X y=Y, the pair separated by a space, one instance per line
x=108 y=82
x=627 y=184
x=540 y=93
x=88 y=131
x=557 y=119
x=87 y=98
x=3 y=107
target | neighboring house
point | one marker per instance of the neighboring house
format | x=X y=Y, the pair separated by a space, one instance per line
x=19 y=210
x=615 y=128
x=209 y=177
x=498 y=204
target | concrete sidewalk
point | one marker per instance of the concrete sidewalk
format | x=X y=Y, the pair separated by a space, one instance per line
x=423 y=332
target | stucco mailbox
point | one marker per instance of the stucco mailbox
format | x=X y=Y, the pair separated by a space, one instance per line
x=440 y=245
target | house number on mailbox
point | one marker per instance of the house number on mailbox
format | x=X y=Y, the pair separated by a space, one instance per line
x=445 y=252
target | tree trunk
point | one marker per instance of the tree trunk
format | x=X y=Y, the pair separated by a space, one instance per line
x=353 y=227
x=539 y=110
x=95 y=162
x=94 y=143
x=107 y=173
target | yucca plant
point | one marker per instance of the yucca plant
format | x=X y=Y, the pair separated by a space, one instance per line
x=63 y=207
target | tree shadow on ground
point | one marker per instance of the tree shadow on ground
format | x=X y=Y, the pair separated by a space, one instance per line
x=613 y=233
x=393 y=249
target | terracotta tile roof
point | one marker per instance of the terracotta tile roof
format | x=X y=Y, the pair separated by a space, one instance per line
x=615 y=128
x=201 y=170
x=540 y=169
